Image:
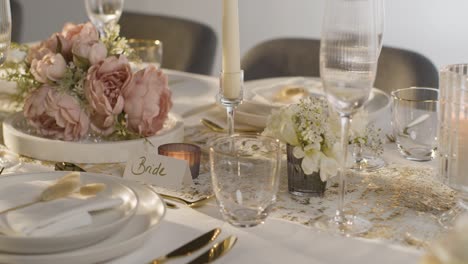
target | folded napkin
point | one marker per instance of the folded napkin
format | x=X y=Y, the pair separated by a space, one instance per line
x=47 y=218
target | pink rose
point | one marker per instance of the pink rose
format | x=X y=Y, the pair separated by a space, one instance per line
x=51 y=67
x=72 y=32
x=147 y=101
x=56 y=115
x=104 y=84
x=54 y=44
x=91 y=52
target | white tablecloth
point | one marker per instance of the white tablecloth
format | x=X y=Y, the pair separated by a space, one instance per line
x=276 y=241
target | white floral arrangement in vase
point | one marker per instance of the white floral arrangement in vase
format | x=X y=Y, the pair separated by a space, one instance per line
x=76 y=83
x=314 y=131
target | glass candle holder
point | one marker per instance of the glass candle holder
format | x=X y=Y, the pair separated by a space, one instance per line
x=231 y=90
x=453 y=137
x=183 y=151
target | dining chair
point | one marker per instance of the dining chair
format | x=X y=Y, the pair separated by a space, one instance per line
x=16 y=20
x=397 y=68
x=187 y=45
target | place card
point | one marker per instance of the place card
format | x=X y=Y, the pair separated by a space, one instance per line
x=149 y=167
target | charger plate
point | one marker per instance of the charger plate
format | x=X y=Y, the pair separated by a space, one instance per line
x=19 y=138
x=150 y=212
x=104 y=222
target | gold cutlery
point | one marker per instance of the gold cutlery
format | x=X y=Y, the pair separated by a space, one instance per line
x=217 y=128
x=198 y=110
x=67 y=166
x=216 y=251
x=190 y=247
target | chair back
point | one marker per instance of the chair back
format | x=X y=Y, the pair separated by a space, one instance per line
x=397 y=68
x=187 y=45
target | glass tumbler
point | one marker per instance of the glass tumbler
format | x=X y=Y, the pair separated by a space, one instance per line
x=414 y=122
x=245 y=176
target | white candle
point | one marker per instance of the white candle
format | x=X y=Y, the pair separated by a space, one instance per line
x=231 y=51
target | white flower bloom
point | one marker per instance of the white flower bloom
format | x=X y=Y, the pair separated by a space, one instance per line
x=298 y=152
x=310 y=162
x=328 y=167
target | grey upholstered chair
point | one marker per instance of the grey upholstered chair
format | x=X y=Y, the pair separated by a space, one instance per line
x=187 y=45
x=16 y=20
x=300 y=57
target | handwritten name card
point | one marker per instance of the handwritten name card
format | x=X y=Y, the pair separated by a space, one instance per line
x=149 y=167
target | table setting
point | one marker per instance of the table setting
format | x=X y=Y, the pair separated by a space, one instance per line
x=108 y=157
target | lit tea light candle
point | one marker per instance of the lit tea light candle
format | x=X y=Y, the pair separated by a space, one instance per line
x=182 y=151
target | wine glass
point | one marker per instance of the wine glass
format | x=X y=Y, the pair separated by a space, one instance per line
x=104 y=12
x=348 y=65
x=366 y=162
x=8 y=159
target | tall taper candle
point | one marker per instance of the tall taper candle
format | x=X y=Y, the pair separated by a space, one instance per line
x=231 y=50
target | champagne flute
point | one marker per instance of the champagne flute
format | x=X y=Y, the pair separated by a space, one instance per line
x=8 y=159
x=104 y=12
x=348 y=65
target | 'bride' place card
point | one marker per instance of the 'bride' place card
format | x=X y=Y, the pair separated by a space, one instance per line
x=148 y=167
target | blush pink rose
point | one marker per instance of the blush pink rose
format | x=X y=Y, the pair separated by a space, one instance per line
x=103 y=88
x=72 y=32
x=91 y=52
x=54 y=44
x=56 y=115
x=51 y=67
x=147 y=101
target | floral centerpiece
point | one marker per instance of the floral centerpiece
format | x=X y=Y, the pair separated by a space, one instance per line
x=75 y=83
x=312 y=133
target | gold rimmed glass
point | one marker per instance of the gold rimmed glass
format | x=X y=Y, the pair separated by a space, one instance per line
x=414 y=122
x=148 y=50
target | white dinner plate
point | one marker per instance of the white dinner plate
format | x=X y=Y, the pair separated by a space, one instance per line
x=18 y=138
x=127 y=239
x=259 y=98
x=104 y=223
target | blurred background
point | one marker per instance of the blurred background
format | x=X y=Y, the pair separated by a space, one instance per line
x=435 y=28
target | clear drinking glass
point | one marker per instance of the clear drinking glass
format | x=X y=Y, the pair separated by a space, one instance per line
x=148 y=50
x=348 y=63
x=414 y=122
x=245 y=176
x=104 y=12
x=5 y=29
x=453 y=137
x=365 y=162
x=7 y=158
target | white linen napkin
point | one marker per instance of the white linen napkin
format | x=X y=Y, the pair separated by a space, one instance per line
x=46 y=218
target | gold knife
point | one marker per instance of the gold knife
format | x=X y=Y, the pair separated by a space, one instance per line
x=189 y=247
x=216 y=251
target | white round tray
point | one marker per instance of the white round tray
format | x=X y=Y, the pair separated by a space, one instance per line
x=17 y=139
